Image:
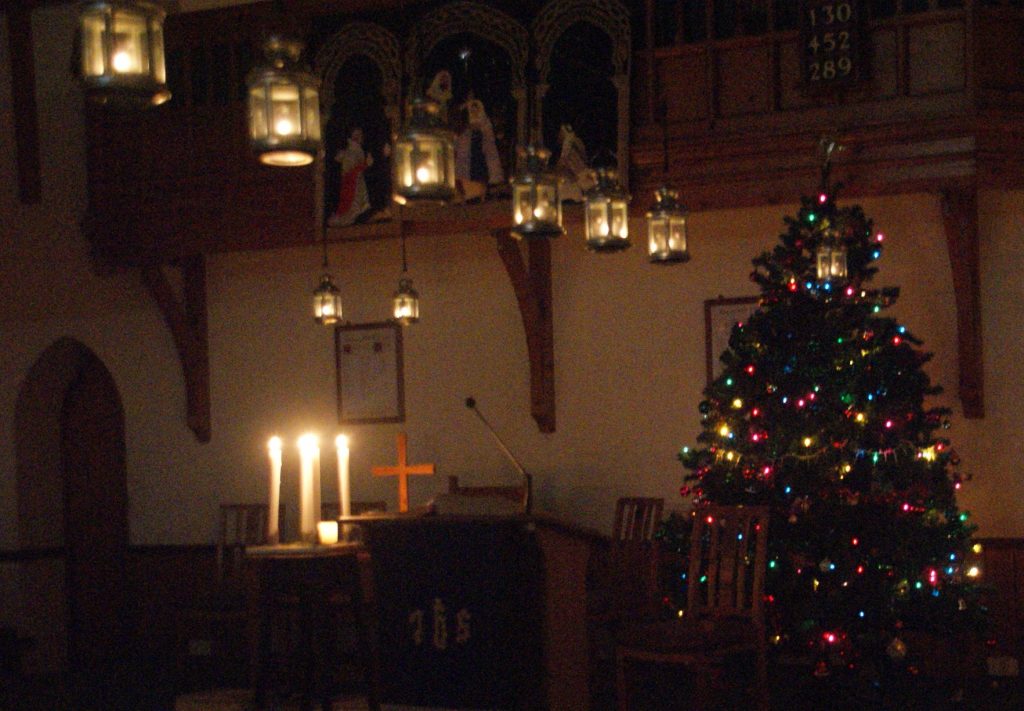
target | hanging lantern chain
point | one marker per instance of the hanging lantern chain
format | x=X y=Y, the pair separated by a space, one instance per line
x=404 y=268
x=663 y=117
x=324 y=233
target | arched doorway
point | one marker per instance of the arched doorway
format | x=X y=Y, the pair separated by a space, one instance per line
x=73 y=502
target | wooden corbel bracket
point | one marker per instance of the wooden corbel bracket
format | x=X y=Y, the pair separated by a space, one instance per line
x=531 y=281
x=186 y=318
x=960 y=219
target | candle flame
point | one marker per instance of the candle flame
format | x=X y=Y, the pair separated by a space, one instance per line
x=309 y=443
x=122 y=62
x=341 y=441
x=274 y=444
x=284 y=127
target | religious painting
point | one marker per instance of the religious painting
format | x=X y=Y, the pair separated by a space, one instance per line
x=583 y=64
x=720 y=315
x=360 y=69
x=371 y=383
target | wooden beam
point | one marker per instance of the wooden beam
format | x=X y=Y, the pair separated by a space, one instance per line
x=531 y=281
x=23 y=100
x=960 y=219
x=186 y=318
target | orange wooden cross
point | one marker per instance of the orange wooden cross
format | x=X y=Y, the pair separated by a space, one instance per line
x=402 y=471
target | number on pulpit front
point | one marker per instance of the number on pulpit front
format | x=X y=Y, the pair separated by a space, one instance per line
x=439 y=626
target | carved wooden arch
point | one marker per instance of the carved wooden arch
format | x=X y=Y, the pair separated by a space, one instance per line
x=372 y=41
x=481 y=20
x=613 y=19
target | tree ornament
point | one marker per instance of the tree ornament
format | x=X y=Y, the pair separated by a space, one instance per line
x=896 y=649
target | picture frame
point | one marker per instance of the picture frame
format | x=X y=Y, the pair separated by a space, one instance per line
x=370 y=377
x=720 y=315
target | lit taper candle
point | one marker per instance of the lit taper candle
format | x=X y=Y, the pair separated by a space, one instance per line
x=274 y=491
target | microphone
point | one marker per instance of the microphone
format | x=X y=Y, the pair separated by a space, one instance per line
x=527 y=478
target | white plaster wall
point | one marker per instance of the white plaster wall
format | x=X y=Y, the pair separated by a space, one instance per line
x=629 y=347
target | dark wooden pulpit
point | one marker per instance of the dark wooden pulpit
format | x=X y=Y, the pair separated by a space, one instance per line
x=459 y=612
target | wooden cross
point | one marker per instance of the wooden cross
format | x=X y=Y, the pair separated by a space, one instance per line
x=402 y=471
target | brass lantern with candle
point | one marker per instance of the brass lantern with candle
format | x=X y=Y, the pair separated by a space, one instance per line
x=284 y=106
x=666 y=228
x=122 y=53
x=536 y=196
x=327 y=302
x=831 y=259
x=406 y=303
x=606 y=207
x=423 y=161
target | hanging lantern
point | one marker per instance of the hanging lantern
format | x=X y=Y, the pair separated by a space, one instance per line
x=284 y=106
x=831 y=260
x=406 y=302
x=536 y=202
x=326 y=302
x=423 y=162
x=607 y=214
x=122 y=53
x=666 y=228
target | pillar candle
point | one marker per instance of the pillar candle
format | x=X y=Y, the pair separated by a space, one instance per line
x=309 y=498
x=327 y=532
x=274 y=491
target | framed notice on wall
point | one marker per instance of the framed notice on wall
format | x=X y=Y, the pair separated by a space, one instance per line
x=371 y=385
x=832 y=43
x=720 y=315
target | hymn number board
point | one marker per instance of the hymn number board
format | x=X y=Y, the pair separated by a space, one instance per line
x=831 y=38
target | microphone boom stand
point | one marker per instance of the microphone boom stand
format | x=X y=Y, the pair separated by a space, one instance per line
x=527 y=477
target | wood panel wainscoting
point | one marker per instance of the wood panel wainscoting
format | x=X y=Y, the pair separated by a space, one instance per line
x=164 y=579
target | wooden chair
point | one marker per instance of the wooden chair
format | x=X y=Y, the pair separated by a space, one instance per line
x=724 y=616
x=241 y=525
x=214 y=627
x=622 y=585
x=624 y=581
x=516 y=493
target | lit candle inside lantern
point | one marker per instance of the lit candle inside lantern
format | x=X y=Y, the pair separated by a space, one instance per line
x=426 y=173
x=122 y=62
x=309 y=487
x=344 y=486
x=274 y=488
x=284 y=127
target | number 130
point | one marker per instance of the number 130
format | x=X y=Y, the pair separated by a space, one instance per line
x=832 y=12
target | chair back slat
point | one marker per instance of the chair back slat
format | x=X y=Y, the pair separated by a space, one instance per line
x=728 y=551
x=637 y=518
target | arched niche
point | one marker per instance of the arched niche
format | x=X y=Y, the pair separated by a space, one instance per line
x=562 y=22
x=361 y=79
x=485 y=22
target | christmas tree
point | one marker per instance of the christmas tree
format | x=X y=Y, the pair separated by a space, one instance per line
x=822 y=412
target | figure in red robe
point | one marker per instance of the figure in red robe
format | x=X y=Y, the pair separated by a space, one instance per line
x=353 y=197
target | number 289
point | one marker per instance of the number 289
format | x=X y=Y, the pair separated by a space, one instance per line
x=830 y=69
